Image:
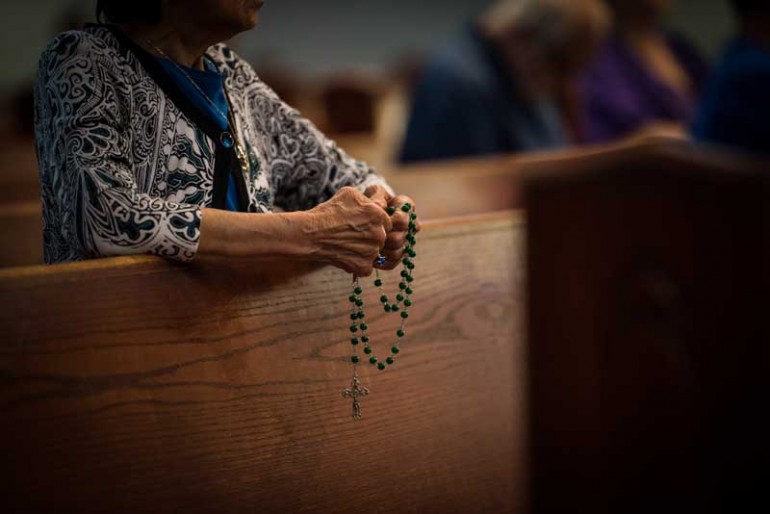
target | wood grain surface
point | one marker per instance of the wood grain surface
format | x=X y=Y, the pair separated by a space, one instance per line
x=133 y=385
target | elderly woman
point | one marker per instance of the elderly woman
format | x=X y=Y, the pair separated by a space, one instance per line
x=154 y=137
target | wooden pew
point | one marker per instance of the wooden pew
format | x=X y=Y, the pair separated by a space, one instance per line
x=649 y=346
x=134 y=385
x=441 y=190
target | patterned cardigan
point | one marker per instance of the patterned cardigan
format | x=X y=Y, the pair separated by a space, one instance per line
x=127 y=162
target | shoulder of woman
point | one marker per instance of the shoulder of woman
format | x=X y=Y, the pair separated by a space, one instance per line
x=75 y=45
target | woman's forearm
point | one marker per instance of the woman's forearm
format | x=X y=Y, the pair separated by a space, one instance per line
x=348 y=231
x=242 y=235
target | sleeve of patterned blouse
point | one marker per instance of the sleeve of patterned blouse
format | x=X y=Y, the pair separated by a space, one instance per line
x=92 y=207
x=310 y=168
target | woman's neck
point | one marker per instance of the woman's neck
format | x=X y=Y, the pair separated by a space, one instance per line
x=180 y=42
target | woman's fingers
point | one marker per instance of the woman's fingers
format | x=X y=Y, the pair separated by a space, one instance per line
x=395 y=241
x=400 y=218
x=379 y=195
x=400 y=221
x=358 y=229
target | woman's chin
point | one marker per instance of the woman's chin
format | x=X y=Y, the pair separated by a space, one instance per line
x=254 y=7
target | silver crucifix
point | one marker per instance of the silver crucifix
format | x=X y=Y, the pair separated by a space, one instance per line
x=356 y=391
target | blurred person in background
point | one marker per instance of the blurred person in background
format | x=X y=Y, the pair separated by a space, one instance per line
x=643 y=78
x=505 y=84
x=736 y=104
x=154 y=137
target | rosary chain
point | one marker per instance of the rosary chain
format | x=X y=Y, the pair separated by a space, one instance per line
x=401 y=305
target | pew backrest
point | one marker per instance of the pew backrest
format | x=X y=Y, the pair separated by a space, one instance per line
x=649 y=347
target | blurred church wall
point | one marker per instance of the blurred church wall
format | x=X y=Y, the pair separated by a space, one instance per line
x=319 y=37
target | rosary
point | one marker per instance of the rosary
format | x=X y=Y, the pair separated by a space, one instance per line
x=358 y=327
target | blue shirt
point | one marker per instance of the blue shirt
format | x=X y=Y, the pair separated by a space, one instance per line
x=735 y=110
x=466 y=103
x=212 y=83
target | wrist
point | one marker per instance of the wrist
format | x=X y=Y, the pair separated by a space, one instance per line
x=296 y=235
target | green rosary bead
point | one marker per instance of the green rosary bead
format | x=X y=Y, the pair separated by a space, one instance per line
x=409 y=278
x=404 y=315
x=407 y=303
x=400 y=297
x=352 y=298
x=412 y=227
x=373 y=360
x=409 y=290
x=402 y=286
x=368 y=350
x=387 y=308
x=359 y=303
x=378 y=283
x=413 y=216
x=358 y=290
x=394 y=308
x=404 y=273
x=355 y=359
x=354 y=341
x=354 y=316
x=364 y=339
x=381 y=366
x=363 y=326
x=390 y=360
x=395 y=350
x=400 y=333
x=406 y=207
x=384 y=299
x=353 y=328
x=391 y=211
x=361 y=315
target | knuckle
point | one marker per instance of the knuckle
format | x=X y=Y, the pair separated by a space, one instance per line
x=372 y=210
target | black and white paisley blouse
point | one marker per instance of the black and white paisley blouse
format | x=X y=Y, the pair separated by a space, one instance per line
x=127 y=162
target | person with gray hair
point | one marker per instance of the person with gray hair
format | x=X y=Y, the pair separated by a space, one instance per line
x=505 y=84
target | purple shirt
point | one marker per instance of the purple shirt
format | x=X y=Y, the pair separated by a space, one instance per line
x=621 y=95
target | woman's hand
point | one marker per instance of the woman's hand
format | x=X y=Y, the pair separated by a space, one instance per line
x=348 y=231
x=396 y=238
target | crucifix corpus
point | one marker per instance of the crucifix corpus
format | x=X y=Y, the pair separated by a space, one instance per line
x=356 y=391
